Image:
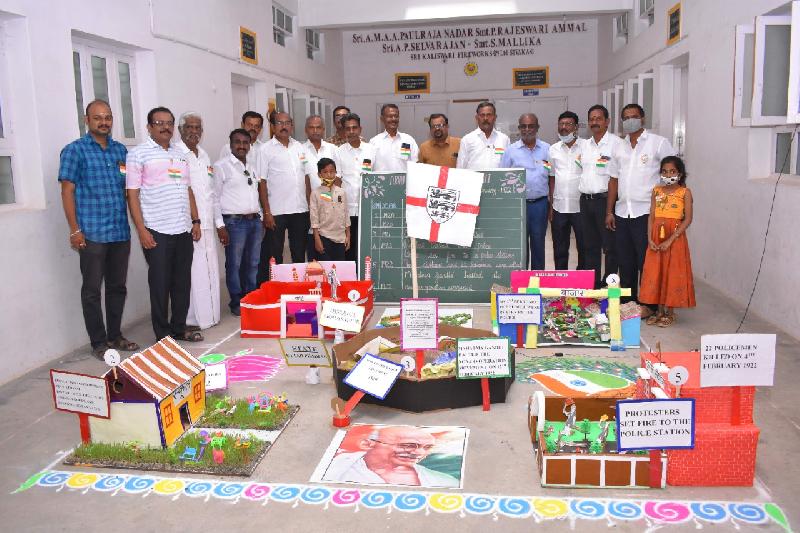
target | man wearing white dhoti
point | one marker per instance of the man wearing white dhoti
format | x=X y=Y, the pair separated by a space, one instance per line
x=204 y=299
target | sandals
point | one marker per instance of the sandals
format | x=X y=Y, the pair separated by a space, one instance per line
x=652 y=320
x=189 y=336
x=123 y=344
x=666 y=321
x=99 y=352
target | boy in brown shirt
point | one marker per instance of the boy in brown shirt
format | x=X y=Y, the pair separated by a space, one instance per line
x=328 y=211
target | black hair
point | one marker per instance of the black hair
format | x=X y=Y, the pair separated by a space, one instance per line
x=568 y=114
x=601 y=108
x=273 y=116
x=633 y=106
x=483 y=104
x=97 y=101
x=351 y=116
x=678 y=162
x=253 y=114
x=437 y=115
x=159 y=109
x=384 y=107
x=238 y=131
x=337 y=108
x=324 y=162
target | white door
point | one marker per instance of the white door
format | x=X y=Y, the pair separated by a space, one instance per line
x=241 y=102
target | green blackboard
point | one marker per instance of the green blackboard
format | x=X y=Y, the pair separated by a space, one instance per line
x=454 y=274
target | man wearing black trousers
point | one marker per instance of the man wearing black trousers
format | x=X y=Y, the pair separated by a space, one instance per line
x=164 y=213
x=636 y=169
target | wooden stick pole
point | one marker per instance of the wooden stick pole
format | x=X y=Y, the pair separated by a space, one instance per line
x=414 y=282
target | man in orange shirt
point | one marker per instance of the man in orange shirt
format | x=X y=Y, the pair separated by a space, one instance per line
x=441 y=149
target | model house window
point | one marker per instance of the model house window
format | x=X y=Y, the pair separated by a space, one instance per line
x=108 y=74
x=312 y=44
x=168 y=418
x=197 y=392
x=281 y=25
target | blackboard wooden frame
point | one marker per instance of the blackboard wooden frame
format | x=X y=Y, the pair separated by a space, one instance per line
x=399 y=78
x=499 y=247
x=518 y=72
x=248 y=52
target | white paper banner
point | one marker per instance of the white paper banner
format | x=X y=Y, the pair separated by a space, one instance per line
x=305 y=352
x=655 y=424
x=743 y=359
x=483 y=358
x=344 y=316
x=373 y=375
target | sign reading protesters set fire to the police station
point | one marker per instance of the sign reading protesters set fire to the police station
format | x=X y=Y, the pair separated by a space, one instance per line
x=743 y=359
x=655 y=424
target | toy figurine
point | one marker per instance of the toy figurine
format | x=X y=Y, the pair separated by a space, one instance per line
x=603 y=429
x=333 y=280
x=570 y=411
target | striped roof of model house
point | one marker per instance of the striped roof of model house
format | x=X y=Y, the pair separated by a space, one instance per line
x=161 y=368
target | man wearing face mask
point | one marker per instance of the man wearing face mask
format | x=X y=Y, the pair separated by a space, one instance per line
x=532 y=154
x=593 y=160
x=564 y=195
x=634 y=172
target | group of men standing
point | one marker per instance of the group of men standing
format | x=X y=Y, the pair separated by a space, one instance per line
x=258 y=191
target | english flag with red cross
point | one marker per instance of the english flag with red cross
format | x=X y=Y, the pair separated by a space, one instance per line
x=442 y=203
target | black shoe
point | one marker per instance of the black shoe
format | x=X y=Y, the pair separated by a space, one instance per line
x=236 y=311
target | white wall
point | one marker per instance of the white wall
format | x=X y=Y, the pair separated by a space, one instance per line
x=727 y=235
x=188 y=66
x=370 y=67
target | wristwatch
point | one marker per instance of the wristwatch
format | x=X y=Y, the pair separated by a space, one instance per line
x=196 y=221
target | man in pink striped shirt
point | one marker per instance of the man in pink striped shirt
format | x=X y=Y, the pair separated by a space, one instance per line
x=164 y=213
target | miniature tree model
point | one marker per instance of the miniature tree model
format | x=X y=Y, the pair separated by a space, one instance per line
x=584 y=426
x=596 y=447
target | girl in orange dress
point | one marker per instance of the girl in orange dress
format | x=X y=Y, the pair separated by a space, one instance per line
x=667 y=273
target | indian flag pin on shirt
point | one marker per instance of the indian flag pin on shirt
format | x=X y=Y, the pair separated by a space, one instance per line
x=499 y=150
x=547 y=166
x=174 y=173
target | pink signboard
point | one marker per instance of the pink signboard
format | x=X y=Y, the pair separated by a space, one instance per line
x=553 y=279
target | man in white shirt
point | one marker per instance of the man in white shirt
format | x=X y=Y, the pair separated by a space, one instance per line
x=483 y=147
x=394 y=149
x=635 y=170
x=283 y=168
x=236 y=187
x=204 y=297
x=353 y=159
x=565 y=175
x=594 y=160
x=316 y=148
x=253 y=122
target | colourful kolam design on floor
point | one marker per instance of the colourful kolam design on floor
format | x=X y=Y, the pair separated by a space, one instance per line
x=252 y=367
x=578 y=377
x=613 y=511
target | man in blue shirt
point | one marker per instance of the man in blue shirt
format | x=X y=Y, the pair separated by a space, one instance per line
x=92 y=176
x=532 y=154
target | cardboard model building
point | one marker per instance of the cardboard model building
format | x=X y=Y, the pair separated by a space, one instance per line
x=576 y=446
x=264 y=315
x=156 y=395
x=438 y=388
x=725 y=437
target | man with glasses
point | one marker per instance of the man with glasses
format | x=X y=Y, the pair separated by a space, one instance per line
x=236 y=187
x=92 y=176
x=564 y=195
x=390 y=456
x=441 y=149
x=283 y=167
x=394 y=149
x=533 y=155
x=483 y=147
x=165 y=215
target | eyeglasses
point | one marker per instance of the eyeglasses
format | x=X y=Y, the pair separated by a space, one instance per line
x=160 y=123
x=283 y=122
x=529 y=126
x=407 y=446
x=438 y=126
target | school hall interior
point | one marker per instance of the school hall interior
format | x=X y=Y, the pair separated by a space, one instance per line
x=720 y=81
